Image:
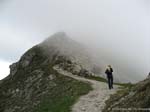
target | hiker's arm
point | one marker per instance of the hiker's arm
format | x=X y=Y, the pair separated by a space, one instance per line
x=112 y=70
x=106 y=71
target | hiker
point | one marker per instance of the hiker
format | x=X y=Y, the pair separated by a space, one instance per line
x=148 y=75
x=109 y=74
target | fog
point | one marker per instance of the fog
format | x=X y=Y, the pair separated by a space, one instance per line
x=116 y=32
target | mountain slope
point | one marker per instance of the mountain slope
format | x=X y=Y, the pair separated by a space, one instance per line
x=136 y=97
x=34 y=86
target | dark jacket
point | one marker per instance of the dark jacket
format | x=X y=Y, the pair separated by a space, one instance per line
x=109 y=72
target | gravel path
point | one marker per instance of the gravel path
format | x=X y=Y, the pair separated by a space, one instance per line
x=94 y=101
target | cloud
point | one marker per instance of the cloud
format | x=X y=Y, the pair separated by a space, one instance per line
x=13 y=44
x=117 y=31
x=4 y=69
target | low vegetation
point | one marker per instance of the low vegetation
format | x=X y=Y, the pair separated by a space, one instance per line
x=63 y=96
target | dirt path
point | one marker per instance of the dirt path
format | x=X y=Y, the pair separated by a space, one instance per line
x=94 y=101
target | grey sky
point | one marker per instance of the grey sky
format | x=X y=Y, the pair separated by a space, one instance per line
x=117 y=30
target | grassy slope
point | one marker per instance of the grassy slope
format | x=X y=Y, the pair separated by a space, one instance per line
x=63 y=96
x=59 y=98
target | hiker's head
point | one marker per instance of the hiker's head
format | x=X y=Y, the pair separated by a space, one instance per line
x=109 y=66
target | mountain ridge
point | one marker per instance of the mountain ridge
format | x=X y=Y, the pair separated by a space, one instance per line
x=33 y=85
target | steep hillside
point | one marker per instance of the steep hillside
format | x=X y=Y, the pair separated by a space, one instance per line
x=34 y=86
x=136 y=98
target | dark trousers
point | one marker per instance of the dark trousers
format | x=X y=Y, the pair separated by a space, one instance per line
x=110 y=82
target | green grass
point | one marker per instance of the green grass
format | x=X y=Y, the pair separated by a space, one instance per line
x=96 y=78
x=125 y=85
x=64 y=95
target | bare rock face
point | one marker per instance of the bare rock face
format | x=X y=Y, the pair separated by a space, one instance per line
x=75 y=68
x=26 y=59
x=13 y=68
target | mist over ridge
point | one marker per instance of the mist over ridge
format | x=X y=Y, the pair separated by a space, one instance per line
x=115 y=32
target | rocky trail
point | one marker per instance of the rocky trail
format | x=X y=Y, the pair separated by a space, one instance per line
x=94 y=101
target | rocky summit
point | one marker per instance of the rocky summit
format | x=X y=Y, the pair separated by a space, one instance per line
x=34 y=86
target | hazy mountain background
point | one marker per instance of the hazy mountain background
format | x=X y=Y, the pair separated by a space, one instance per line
x=115 y=32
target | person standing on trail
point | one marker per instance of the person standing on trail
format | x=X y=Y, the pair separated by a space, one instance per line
x=109 y=74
